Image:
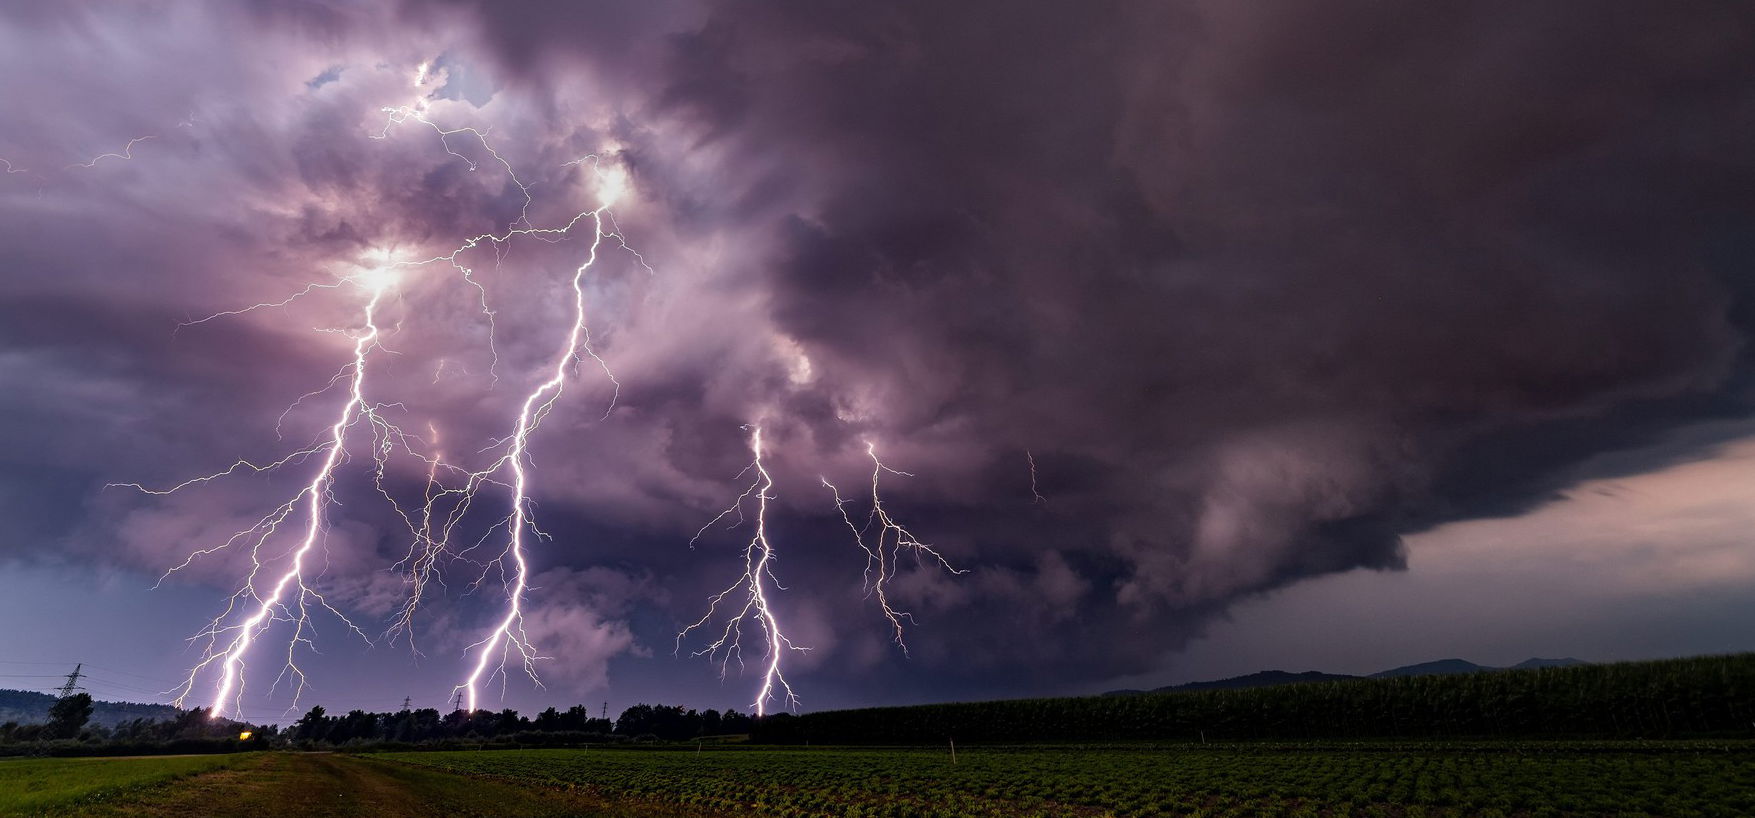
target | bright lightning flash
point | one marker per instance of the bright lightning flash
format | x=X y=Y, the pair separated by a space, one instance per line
x=271 y=597
x=758 y=556
x=510 y=469
x=288 y=596
x=509 y=633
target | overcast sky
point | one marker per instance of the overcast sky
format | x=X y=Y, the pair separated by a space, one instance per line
x=1211 y=338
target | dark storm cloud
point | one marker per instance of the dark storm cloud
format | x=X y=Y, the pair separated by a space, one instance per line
x=1259 y=290
x=1291 y=281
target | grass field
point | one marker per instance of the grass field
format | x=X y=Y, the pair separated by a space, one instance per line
x=29 y=786
x=1395 y=781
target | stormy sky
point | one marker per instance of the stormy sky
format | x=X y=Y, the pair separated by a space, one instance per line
x=1339 y=335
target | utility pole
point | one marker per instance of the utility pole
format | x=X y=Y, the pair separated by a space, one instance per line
x=606 y=711
x=457 y=701
x=72 y=681
x=405 y=701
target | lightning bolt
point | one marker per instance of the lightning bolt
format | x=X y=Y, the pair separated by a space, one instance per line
x=289 y=595
x=417 y=111
x=126 y=154
x=1040 y=500
x=508 y=634
x=883 y=549
x=758 y=556
x=420 y=565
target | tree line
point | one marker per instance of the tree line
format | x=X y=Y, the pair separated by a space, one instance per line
x=1703 y=697
x=68 y=730
x=551 y=726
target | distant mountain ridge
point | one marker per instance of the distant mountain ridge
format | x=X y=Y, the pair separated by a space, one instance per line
x=27 y=707
x=1265 y=678
x=1271 y=678
x=1532 y=664
x=1442 y=667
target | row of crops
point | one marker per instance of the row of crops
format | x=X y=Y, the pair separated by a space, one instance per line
x=1711 y=696
x=1138 y=781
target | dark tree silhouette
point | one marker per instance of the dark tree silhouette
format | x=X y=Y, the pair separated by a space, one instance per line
x=68 y=715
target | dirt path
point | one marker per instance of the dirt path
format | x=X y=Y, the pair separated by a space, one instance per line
x=322 y=785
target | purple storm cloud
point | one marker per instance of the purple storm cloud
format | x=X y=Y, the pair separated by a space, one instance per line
x=1160 y=306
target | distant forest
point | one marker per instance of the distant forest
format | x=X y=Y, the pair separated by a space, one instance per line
x=1703 y=697
x=68 y=728
x=642 y=722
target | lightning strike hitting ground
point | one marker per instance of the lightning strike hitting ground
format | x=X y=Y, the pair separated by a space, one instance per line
x=884 y=550
x=758 y=554
x=289 y=595
x=272 y=593
x=509 y=633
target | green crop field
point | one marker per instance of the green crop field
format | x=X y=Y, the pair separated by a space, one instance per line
x=1407 y=780
x=29 y=786
x=1649 y=779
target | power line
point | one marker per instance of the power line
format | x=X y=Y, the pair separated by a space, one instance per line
x=143 y=677
x=124 y=685
x=106 y=668
x=139 y=691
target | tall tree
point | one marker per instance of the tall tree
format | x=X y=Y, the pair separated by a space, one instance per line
x=68 y=715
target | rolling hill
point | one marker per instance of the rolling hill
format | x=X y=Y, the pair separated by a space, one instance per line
x=1272 y=678
x=26 y=707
